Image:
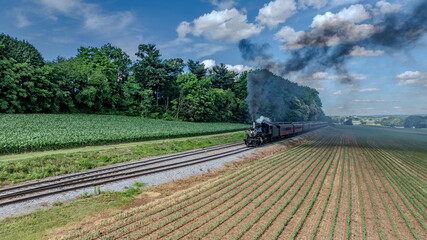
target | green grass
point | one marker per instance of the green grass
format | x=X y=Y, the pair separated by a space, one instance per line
x=33 y=132
x=55 y=164
x=39 y=224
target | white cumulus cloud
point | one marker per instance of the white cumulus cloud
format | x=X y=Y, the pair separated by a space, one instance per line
x=386 y=7
x=362 y=52
x=287 y=34
x=209 y=63
x=228 y=24
x=276 y=12
x=239 y=68
x=331 y=29
x=412 y=78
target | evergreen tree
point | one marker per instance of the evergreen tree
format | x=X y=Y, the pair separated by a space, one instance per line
x=197 y=68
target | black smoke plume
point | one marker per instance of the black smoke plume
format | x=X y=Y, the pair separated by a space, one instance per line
x=397 y=31
x=280 y=99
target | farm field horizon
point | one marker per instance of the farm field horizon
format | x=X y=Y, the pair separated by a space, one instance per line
x=345 y=182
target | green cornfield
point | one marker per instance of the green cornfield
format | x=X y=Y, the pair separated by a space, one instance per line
x=32 y=132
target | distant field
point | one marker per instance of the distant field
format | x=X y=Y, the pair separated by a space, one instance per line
x=347 y=182
x=32 y=132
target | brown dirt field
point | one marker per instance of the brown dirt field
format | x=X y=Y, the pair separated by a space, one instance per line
x=255 y=210
x=326 y=223
x=370 y=223
x=402 y=228
x=356 y=224
x=307 y=228
x=231 y=220
x=341 y=220
x=155 y=218
x=263 y=202
x=271 y=230
x=312 y=217
x=275 y=177
x=225 y=206
x=416 y=184
x=385 y=224
x=403 y=165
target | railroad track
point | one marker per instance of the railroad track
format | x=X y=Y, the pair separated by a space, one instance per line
x=98 y=177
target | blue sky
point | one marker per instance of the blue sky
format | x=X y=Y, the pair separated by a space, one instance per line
x=388 y=81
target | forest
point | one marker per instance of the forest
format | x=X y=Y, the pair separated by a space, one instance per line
x=105 y=80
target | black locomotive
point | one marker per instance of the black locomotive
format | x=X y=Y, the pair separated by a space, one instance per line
x=265 y=132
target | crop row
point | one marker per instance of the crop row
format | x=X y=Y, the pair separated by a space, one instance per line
x=186 y=202
x=189 y=199
x=187 y=220
x=30 y=132
x=340 y=184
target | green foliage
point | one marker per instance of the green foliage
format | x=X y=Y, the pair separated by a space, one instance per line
x=392 y=121
x=416 y=122
x=21 y=51
x=197 y=68
x=221 y=77
x=104 y=80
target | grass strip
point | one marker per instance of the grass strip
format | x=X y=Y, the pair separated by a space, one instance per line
x=61 y=164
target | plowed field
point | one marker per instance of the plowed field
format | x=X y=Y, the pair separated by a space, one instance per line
x=343 y=183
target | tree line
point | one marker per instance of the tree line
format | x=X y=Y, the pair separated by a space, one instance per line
x=104 y=80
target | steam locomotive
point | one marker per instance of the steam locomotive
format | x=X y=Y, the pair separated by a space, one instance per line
x=265 y=132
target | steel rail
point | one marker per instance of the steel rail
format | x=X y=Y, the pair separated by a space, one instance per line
x=98 y=176
x=102 y=176
x=128 y=175
x=121 y=166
